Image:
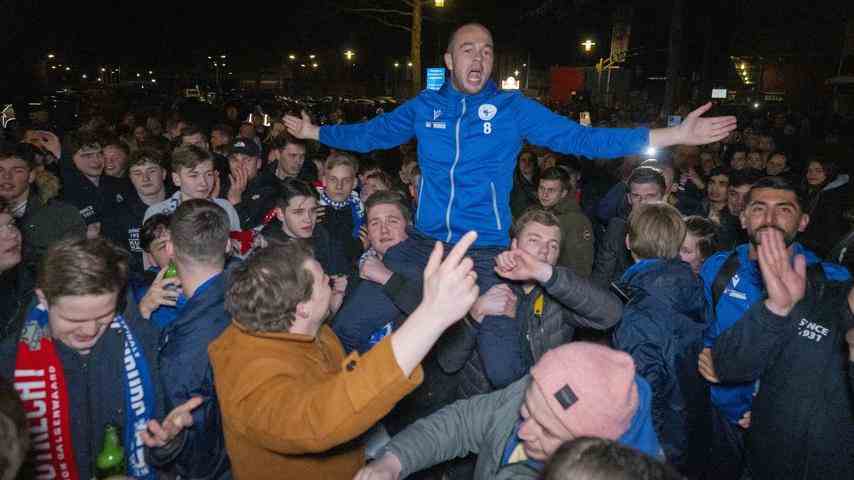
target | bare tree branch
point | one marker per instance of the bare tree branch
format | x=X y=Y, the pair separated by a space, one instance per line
x=386 y=22
x=378 y=10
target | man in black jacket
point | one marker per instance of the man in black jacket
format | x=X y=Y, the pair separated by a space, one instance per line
x=646 y=184
x=84 y=184
x=122 y=224
x=343 y=212
x=251 y=193
x=802 y=424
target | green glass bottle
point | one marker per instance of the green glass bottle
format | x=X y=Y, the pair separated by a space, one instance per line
x=111 y=459
x=171 y=271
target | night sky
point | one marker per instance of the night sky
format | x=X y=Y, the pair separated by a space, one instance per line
x=180 y=34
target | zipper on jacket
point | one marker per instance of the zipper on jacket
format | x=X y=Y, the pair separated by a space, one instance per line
x=495 y=206
x=420 y=193
x=453 y=167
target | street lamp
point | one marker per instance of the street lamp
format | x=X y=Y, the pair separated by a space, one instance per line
x=314 y=65
x=292 y=57
x=588 y=45
x=396 y=64
x=67 y=69
x=312 y=56
x=409 y=64
x=349 y=54
x=51 y=56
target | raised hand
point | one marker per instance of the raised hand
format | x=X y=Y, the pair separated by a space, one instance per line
x=339 y=287
x=695 y=130
x=374 y=269
x=498 y=300
x=517 y=264
x=386 y=468
x=159 y=434
x=786 y=285
x=50 y=142
x=239 y=180
x=450 y=287
x=162 y=292
x=302 y=127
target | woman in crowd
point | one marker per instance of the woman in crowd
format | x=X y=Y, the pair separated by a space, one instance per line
x=375 y=182
x=699 y=243
x=826 y=192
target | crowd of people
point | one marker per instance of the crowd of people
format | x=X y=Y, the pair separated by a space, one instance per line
x=468 y=286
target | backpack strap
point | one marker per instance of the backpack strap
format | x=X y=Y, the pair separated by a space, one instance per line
x=815 y=276
x=728 y=269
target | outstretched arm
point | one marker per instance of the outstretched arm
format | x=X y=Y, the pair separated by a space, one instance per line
x=381 y=132
x=695 y=130
x=543 y=127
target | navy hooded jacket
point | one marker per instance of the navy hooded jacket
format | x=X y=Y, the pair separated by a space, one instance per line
x=185 y=372
x=662 y=329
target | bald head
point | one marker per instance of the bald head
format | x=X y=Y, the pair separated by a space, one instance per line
x=471 y=25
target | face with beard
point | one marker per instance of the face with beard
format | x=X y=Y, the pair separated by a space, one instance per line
x=773 y=208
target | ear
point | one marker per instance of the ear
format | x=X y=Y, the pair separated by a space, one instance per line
x=514 y=244
x=449 y=61
x=805 y=220
x=628 y=244
x=42 y=299
x=176 y=179
x=303 y=311
x=32 y=177
x=280 y=214
x=743 y=217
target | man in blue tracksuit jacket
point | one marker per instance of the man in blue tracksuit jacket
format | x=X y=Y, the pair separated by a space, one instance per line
x=469 y=135
x=732 y=284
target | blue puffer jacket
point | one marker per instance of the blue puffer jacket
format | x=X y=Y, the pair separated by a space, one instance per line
x=662 y=329
x=743 y=290
x=186 y=372
x=467 y=149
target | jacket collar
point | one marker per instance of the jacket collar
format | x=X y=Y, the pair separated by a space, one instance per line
x=287 y=336
x=451 y=93
x=567 y=204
